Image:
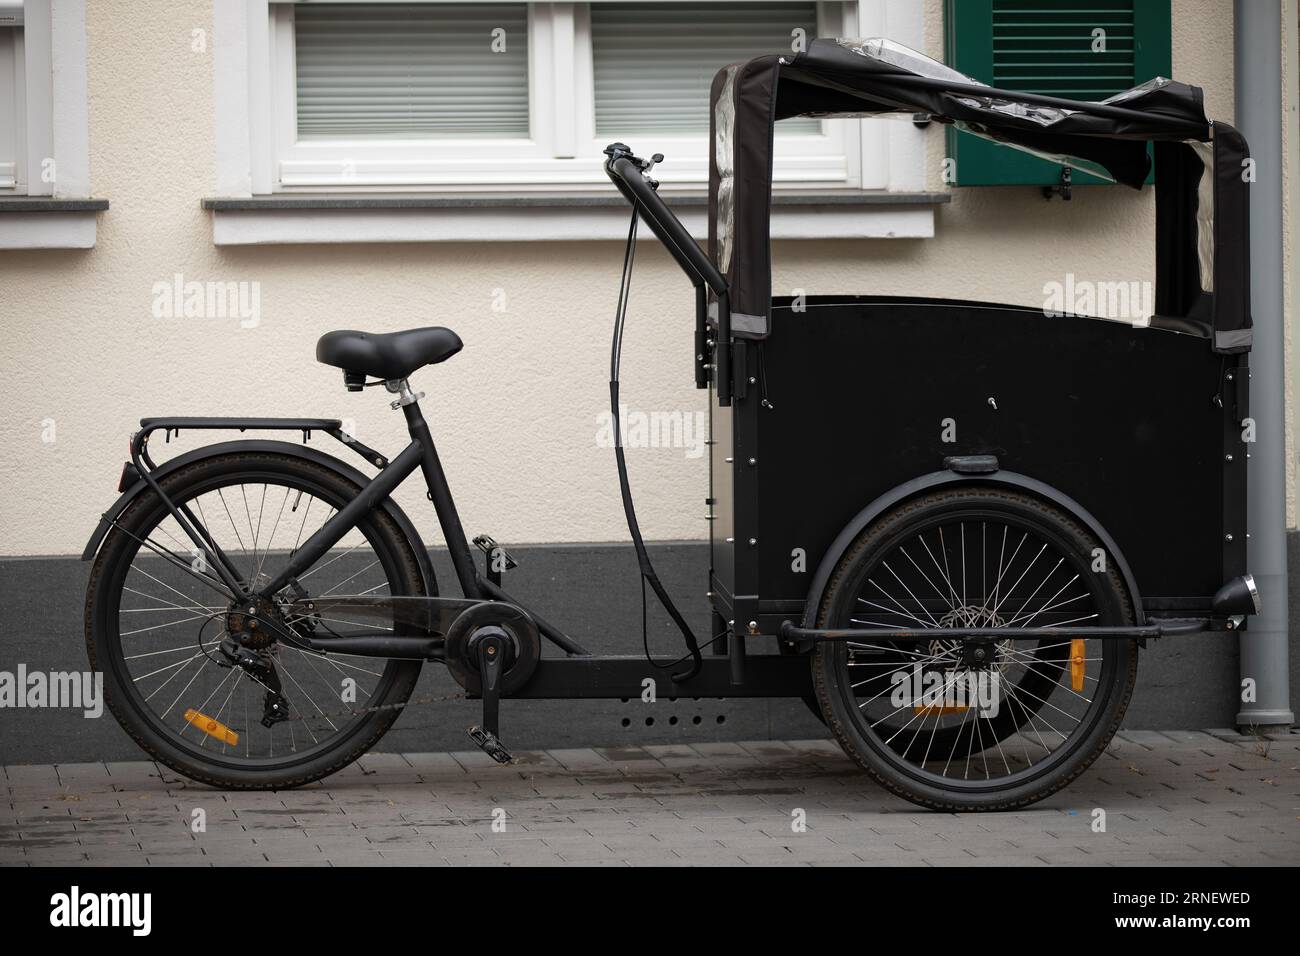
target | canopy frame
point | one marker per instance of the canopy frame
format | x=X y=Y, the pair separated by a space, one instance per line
x=1202 y=168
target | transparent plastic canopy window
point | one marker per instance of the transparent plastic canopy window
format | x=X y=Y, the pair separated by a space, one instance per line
x=884 y=50
x=887 y=51
x=723 y=148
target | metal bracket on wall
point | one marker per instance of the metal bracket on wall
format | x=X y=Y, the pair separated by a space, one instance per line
x=1064 y=189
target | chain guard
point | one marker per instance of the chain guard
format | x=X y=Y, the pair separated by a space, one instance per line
x=515 y=622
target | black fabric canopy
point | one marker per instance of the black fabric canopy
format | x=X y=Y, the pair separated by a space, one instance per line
x=1202 y=259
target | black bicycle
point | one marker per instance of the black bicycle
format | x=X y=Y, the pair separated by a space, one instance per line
x=927 y=579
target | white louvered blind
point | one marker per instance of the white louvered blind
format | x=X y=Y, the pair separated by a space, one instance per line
x=654 y=62
x=411 y=71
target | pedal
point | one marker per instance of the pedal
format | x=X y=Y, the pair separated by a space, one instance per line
x=498 y=558
x=490 y=744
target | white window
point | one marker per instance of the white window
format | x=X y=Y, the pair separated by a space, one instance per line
x=44 y=142
x=449 y=96
x=653 y=62
x=13 y=120
x=488 y=116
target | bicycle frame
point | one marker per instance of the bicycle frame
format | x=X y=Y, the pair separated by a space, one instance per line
x=579 y=675
x=602 y=677
x=597 y=676
x=464 y=632
x=420 y=453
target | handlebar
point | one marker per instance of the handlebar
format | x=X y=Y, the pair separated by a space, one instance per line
x=629 y=175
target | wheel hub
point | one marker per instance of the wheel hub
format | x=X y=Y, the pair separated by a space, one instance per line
x=253 y=623
x=973 y=653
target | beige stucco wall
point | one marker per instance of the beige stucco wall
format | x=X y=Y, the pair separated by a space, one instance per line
x=516 y=412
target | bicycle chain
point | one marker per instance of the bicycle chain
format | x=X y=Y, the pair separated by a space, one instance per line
x=354 y=712
x=290 y=640
x=362 y=711
x=359 y=711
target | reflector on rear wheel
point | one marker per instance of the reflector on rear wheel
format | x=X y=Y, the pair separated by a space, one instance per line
x=212 y=727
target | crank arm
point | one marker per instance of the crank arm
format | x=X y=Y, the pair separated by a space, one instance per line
x=490 y=652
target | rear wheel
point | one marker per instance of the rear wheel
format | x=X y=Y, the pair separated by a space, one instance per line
x=975 y=724
x=162 y=627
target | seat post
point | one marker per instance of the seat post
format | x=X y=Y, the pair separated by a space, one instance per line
x=439 y=492
x=402 y=389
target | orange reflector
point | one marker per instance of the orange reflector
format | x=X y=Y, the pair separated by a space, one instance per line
x=212 y=727
x=936 y=710
x=1078 y=662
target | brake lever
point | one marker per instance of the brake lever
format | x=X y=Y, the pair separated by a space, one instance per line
x=650 y=164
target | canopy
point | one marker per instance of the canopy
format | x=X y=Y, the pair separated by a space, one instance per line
x=1202 y=259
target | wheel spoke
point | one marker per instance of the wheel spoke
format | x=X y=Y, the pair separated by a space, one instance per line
x=178 y=653
x=989 y=710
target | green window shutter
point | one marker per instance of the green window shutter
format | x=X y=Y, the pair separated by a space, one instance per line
x=1046 y=46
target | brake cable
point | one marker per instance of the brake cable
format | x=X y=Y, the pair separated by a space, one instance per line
x=648 y=575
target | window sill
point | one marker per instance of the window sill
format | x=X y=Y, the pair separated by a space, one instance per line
x=42 y=222
x=392 y=217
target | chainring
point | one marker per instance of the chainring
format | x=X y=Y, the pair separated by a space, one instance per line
x=515 y=622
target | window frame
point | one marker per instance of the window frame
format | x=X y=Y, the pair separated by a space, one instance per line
x=45 y=192
x=562 y=150
x=829 y=158
x=13 y=114
x=886 y=196
x=49 y=141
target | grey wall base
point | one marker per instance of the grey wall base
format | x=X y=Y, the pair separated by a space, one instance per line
x=592 y=591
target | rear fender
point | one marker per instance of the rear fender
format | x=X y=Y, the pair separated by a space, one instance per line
x=948 y=479
x=342 y=469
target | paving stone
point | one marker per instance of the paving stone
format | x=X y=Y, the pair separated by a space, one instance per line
x=579 y=759
x=629 y=754
x=671 y=752
x=1172 y=799
x=1149 y=739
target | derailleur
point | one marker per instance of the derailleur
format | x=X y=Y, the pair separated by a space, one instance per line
x=259 y=666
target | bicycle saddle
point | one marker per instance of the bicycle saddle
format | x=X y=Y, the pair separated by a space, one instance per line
x=387 y=355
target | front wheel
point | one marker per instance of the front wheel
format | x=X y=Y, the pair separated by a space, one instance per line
x=167 y=635
x=975 y=724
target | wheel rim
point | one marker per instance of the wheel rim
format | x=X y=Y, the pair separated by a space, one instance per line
x=165 y=625
x=933 y=711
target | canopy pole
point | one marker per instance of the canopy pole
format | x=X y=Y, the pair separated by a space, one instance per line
x=1264 y=647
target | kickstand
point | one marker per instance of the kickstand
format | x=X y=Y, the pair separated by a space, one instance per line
x=491 y=653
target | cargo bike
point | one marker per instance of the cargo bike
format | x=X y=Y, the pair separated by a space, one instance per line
x=948 y=525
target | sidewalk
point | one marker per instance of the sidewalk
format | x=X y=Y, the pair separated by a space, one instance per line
x=1172 y=798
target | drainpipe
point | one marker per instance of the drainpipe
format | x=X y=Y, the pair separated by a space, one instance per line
x=1264 y=646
